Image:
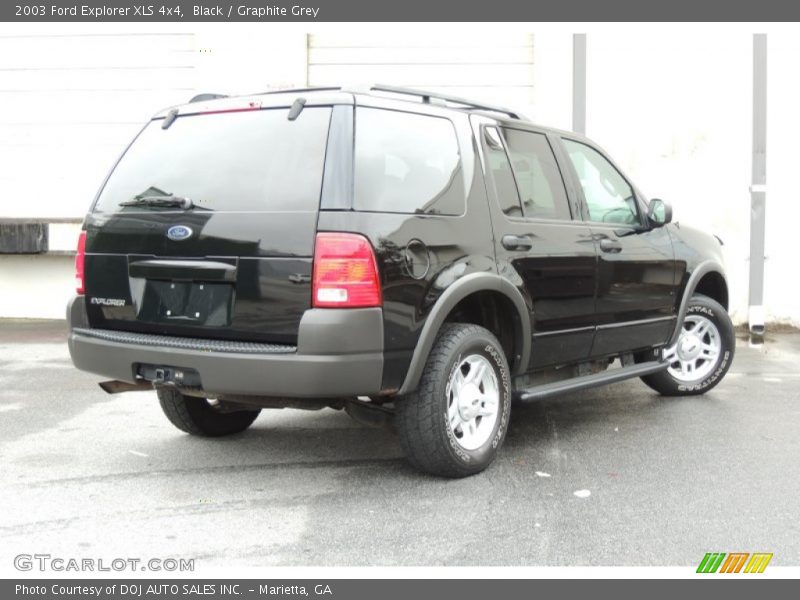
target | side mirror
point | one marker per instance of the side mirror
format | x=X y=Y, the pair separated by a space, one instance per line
x=659 y=212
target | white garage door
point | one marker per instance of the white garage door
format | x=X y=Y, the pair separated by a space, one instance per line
x=490 y=68
x=72 y=101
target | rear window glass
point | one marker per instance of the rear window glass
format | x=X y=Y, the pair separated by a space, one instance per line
x=235 y=161
x=406 y=163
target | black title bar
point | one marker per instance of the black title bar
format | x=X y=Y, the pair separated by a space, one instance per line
x=377 y=589
x=399 y=11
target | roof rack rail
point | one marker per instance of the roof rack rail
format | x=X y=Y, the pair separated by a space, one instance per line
x=427 y=96
x=204 y=97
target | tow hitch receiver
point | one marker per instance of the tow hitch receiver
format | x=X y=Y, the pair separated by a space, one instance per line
x=165 y=375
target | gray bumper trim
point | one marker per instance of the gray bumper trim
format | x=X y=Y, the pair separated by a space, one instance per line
x=356 y=370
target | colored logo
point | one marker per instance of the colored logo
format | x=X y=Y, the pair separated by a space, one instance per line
x=734 y=562
x=178 y=233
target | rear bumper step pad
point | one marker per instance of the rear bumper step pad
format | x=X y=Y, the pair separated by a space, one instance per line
x=202 y=345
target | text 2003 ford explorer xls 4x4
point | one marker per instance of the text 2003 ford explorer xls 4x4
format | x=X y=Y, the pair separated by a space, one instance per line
x=401 y=255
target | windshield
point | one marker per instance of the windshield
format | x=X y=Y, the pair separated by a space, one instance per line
x=254 y=160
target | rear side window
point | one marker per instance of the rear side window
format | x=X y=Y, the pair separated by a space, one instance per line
x=541 y=187
x=503 y=178
x=406 y=163
x=236 y=161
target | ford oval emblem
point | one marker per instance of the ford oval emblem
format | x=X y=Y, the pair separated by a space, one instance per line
x=178 y=233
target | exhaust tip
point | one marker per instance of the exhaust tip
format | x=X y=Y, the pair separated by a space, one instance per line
x=117 y=387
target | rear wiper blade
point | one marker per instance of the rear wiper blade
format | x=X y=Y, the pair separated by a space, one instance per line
x=167 y=201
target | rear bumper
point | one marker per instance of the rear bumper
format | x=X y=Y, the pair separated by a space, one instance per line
x=339 y=353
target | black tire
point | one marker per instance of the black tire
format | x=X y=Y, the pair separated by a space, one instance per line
x=667 y=385
x=421 y=418
x=198 y=417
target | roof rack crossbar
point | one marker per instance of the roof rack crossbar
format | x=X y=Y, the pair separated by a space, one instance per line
x=427 y=96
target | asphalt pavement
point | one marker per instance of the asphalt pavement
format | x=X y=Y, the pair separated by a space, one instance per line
x=610 y=476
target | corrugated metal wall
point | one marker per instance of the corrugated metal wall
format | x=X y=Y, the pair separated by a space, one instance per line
x=492 y=68
x=71 y=102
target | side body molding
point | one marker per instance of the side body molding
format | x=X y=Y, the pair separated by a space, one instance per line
x=460 y=289
x=704 y=268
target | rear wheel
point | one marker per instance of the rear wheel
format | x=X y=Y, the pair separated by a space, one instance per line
x=703 y=353
x=455 y=422
x=198 y=416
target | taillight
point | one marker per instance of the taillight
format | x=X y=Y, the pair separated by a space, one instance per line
x=345 y=272
x=80 y=264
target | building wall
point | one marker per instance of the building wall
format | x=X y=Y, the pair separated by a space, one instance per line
x=676 y=116
x=72 y=100
x=493 y=67
x=682 y=133
x=781 y=287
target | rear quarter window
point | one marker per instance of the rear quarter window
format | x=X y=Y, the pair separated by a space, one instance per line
x=234 y=161
x=406 y=163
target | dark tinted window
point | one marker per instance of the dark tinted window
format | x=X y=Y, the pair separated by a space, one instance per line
x=609 y=198
x=251 y=160
x=407 y=163
x=503 y=179
x=538 y=177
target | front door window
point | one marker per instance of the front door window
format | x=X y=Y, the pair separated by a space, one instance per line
x=609 y=198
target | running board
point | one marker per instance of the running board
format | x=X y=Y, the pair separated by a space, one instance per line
x=547 y=390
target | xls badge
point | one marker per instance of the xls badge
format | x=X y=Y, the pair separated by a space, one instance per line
x=178 y=233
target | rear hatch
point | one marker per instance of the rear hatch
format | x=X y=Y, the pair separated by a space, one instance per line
x=205 y=227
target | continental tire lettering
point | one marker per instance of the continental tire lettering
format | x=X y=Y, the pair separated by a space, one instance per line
x=506 y=394
x=723 y=363
x=451 y=436
x=721 y=367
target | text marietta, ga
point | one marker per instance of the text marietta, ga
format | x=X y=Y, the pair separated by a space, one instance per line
x=191 y=590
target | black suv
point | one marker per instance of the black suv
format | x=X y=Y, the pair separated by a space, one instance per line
x=410 y=257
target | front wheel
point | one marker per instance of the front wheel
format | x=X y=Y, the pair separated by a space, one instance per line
x=455 y=422
x=703 y=353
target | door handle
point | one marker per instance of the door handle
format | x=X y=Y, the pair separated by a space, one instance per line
x=608 y=245
x=517 y=242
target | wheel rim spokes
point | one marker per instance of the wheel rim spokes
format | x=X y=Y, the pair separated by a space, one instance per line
x=696 y=353
x=473 y=399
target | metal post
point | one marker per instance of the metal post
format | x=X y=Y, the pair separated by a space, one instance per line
x=308 y=60
x=758 y=188
x=579 y=83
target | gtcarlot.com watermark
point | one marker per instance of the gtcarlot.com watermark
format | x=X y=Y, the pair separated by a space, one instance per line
x=47 y=562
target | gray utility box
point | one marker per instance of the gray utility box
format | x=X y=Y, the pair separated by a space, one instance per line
x=23 y=238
